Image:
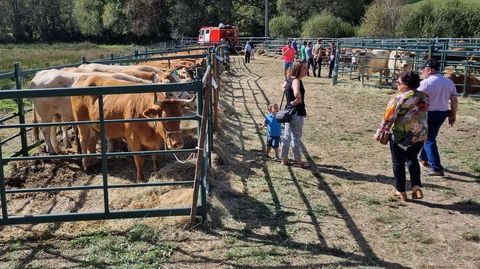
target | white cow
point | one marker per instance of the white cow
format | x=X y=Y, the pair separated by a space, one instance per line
x=400 y=61
x=52 y=109
x=375 y=61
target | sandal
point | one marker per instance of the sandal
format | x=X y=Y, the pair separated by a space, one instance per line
x=402 y=196
x=417 y=192
x=302 y=165
x=285 y=162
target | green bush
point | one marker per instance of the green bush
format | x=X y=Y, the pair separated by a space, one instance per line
x=326 y=24
x=380 y=21
x=429 y=18
x=283 y=26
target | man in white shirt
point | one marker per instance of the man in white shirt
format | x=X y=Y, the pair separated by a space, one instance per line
x=248 y=49
x=440 y=91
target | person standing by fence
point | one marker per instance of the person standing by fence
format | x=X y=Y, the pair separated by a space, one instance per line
x=440 y=90
x=332 y=52
x=309 y=58
x=288 y=53
x=303 y=55
x=248 y=49
x=317 y=55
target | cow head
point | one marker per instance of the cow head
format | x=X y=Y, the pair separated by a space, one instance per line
x=168 y=130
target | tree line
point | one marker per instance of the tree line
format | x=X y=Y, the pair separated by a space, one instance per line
x=144 y=21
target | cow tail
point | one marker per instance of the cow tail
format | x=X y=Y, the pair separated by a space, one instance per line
x=35 y=132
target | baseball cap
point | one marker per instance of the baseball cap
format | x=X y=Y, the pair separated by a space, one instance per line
x=432 y=63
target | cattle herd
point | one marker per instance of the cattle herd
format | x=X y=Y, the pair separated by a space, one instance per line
x=389 y=63
x=138 y=135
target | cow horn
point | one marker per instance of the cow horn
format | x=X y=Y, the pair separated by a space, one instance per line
x=187 y=102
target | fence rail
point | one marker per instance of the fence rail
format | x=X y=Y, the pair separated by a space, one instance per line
x=204 y=147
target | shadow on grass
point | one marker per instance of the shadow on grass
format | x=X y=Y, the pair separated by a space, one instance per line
x=253 y=213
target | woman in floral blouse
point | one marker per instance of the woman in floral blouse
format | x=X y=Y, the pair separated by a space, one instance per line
x=406 y=119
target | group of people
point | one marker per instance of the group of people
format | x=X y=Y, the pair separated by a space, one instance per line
x=311 y=54
x=413 y=118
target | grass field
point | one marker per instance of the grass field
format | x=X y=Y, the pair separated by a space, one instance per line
x=262 y=214
x=43 y=55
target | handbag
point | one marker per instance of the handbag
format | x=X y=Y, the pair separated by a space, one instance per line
x=284 y=115
x=384 y=138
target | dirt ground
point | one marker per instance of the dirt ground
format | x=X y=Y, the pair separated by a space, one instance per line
x=336 y=214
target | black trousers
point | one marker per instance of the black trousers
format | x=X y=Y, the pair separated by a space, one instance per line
x=408 y=156
x=247 y=56
x=317 y=64
x=330 y=69
x=310 y=63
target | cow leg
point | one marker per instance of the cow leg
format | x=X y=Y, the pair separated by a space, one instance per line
x=66 y=139
x=155 y=159
x=84 y=136
x=135 y=145
x=47 y=135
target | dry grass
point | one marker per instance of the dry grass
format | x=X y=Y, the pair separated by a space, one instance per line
x=264 y=215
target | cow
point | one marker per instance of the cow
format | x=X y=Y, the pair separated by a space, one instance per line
x=55 y=108
x=375 y=61
x=400 y=61
x=118 y=68
x=138 y=135
x=473 y=83
x=149 y=76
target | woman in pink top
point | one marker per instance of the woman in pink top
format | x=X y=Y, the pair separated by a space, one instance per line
x=288 y=53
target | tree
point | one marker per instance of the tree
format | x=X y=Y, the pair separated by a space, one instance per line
x=249 y=19
x=114 y=19
x=283 y=26
x=88 y=13
x=381 y=19
x=327 y=25
x=148 y=18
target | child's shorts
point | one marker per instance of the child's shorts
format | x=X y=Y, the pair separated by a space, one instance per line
x=273 y=141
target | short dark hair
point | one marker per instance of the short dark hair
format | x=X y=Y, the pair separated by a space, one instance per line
x=432 y=63
x=410 y=79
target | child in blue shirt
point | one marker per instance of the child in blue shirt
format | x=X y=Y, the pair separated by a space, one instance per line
x=274 y=130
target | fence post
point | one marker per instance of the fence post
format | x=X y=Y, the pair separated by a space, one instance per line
x=337 y=61
x=83 y=60
x=215 y=92
x=136 y=54
x=21 y=111
x=3 y=196
x=111 y=56
x=465 y=78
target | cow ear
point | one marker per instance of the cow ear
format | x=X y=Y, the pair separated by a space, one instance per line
x=151 y=112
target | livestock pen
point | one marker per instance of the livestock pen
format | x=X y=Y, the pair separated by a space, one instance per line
x=24 y=160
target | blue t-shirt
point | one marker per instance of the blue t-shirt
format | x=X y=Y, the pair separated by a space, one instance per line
x=274 y=128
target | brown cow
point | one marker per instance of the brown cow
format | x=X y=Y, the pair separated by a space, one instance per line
x=139 y=135
x=473 y=83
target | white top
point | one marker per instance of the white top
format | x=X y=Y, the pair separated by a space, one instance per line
x=439 y=90
x=248 y=47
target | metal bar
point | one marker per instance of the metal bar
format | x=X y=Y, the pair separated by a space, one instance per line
x=3 y=196
x=63 y=123
x=21 y=115
x=97 y=187
x=3 y=141
x=8 y=117
x=103 y=153
x=57 y=92
x=108 y=154
x=123 y=214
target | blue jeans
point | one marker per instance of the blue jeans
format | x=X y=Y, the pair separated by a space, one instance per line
x=430 y=150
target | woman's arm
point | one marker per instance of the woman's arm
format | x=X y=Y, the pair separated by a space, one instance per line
x=388 y=118
x=296 y=92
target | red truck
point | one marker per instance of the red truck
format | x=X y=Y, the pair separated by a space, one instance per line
x=214 y=35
